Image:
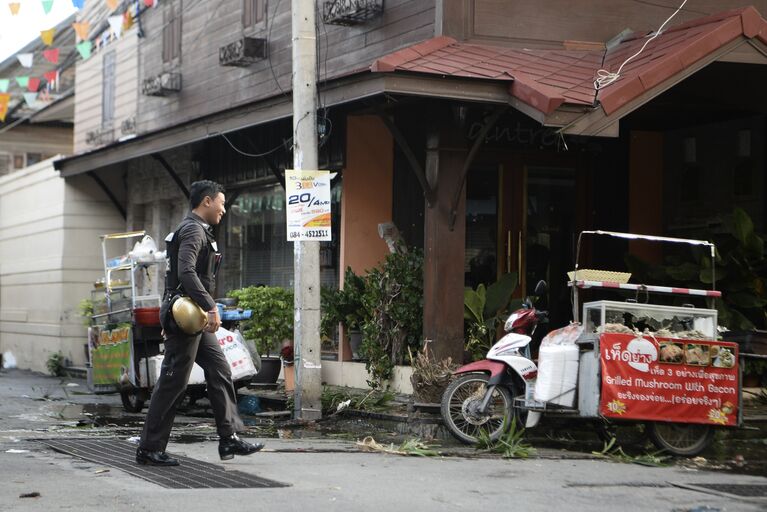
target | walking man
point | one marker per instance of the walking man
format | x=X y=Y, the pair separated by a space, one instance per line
x=193 y=257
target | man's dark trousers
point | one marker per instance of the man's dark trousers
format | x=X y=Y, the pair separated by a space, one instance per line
x=181 y=352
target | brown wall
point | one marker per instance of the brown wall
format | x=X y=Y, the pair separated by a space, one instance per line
x=209 y=87
x=537 y=23
x=646 y=192
x=367 y=193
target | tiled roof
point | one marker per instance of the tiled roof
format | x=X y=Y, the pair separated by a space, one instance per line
x=546 y=79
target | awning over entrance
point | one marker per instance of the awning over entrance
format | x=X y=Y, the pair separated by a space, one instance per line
x=556 y=86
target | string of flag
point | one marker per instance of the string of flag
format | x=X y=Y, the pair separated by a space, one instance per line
x=29 y=85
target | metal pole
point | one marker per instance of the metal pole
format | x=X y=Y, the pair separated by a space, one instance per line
x=306 y=255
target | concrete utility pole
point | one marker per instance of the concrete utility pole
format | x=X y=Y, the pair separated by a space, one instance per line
x=306 y=255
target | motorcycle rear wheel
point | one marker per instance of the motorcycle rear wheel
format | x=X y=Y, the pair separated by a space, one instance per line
x=458 y=409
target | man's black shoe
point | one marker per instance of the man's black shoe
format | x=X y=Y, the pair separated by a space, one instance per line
x=230 y=446
x=154 y=458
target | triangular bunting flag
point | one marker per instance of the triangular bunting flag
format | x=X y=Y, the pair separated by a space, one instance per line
x=14 y=6
x=116 y=24
x=112 y=4
x=30 y=98
x=47 y=36
x=22 y=81
x=127 y=21
x=51 y=55
x=47 y=5
x=4 y=83
x=50 y=76
x=33 y=85
x=81 y=29
x=78 y=4
x=85 y=49
x=4 y=99
x=149 y=3
x=25 y=59
x=44 y=96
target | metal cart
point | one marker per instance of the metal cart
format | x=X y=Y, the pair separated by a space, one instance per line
x=125 y=324
x=656 y=365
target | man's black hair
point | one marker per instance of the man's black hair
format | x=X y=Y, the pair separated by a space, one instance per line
x=200 y=189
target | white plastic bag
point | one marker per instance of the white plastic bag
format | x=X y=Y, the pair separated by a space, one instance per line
x=144 y=250
x=558 y=361
x=9 y=361
x=238 y=355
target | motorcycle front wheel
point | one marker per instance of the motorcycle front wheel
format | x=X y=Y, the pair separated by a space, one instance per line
x=460 y=409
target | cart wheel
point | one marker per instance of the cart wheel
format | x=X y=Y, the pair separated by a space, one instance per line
x=683 y=439
x=625 y=434
x=133 y=399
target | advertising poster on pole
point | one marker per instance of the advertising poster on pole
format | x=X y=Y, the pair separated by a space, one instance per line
x=111 y=357
x=674 y=380
x=307 y=195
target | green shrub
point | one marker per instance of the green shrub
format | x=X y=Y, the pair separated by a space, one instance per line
x=393 y=299
x=272 y=320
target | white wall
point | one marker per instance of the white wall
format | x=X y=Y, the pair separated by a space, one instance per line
x=50 y=255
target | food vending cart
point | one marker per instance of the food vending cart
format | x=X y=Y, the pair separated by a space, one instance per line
x=662 y=365
x=125 y=343
x=125 y=327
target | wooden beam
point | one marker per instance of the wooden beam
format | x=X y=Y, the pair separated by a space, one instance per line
x=109 y=194
x=415 y=165
x=469 y=160
x=172 y=173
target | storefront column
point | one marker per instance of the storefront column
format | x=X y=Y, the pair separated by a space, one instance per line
x=444 y=248
x=367 y=200
x=646 y=192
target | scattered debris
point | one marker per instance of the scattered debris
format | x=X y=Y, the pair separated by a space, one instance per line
x=100 y=471
x=134 y=439
x=33 y=494
x=14 y=450
x=511 y=444
x=617 y=454
x=9 y=360
x=72 y=384
x=414 y=447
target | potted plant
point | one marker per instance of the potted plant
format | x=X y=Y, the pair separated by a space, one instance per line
x=345 y=306
x=270 y=326
x=430 y=377
x=287 y=356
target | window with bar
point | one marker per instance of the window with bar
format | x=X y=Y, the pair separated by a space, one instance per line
x=253 y=12
x=171 y=33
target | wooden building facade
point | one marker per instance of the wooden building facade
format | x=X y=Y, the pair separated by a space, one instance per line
x=474 y=125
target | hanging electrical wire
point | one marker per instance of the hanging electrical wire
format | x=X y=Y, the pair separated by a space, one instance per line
x=285 y=144
x=605 y=78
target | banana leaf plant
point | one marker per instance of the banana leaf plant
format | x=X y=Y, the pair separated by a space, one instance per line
x=740 y=270
x=484 y=309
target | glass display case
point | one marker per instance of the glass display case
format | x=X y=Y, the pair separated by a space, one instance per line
x=607 y=316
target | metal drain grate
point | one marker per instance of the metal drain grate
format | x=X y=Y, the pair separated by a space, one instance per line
x=736 y=490
x=191 y=474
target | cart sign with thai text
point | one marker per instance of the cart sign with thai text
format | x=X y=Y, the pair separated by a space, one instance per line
x=112 y=357
x=675 y=380
x=307 y=196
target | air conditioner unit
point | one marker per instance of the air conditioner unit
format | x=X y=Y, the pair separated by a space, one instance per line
x=161 y=85
x=242 y=52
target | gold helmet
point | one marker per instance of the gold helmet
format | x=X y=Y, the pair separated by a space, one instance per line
x=189 y=317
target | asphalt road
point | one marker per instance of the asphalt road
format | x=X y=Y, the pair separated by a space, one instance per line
x=324 y=474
